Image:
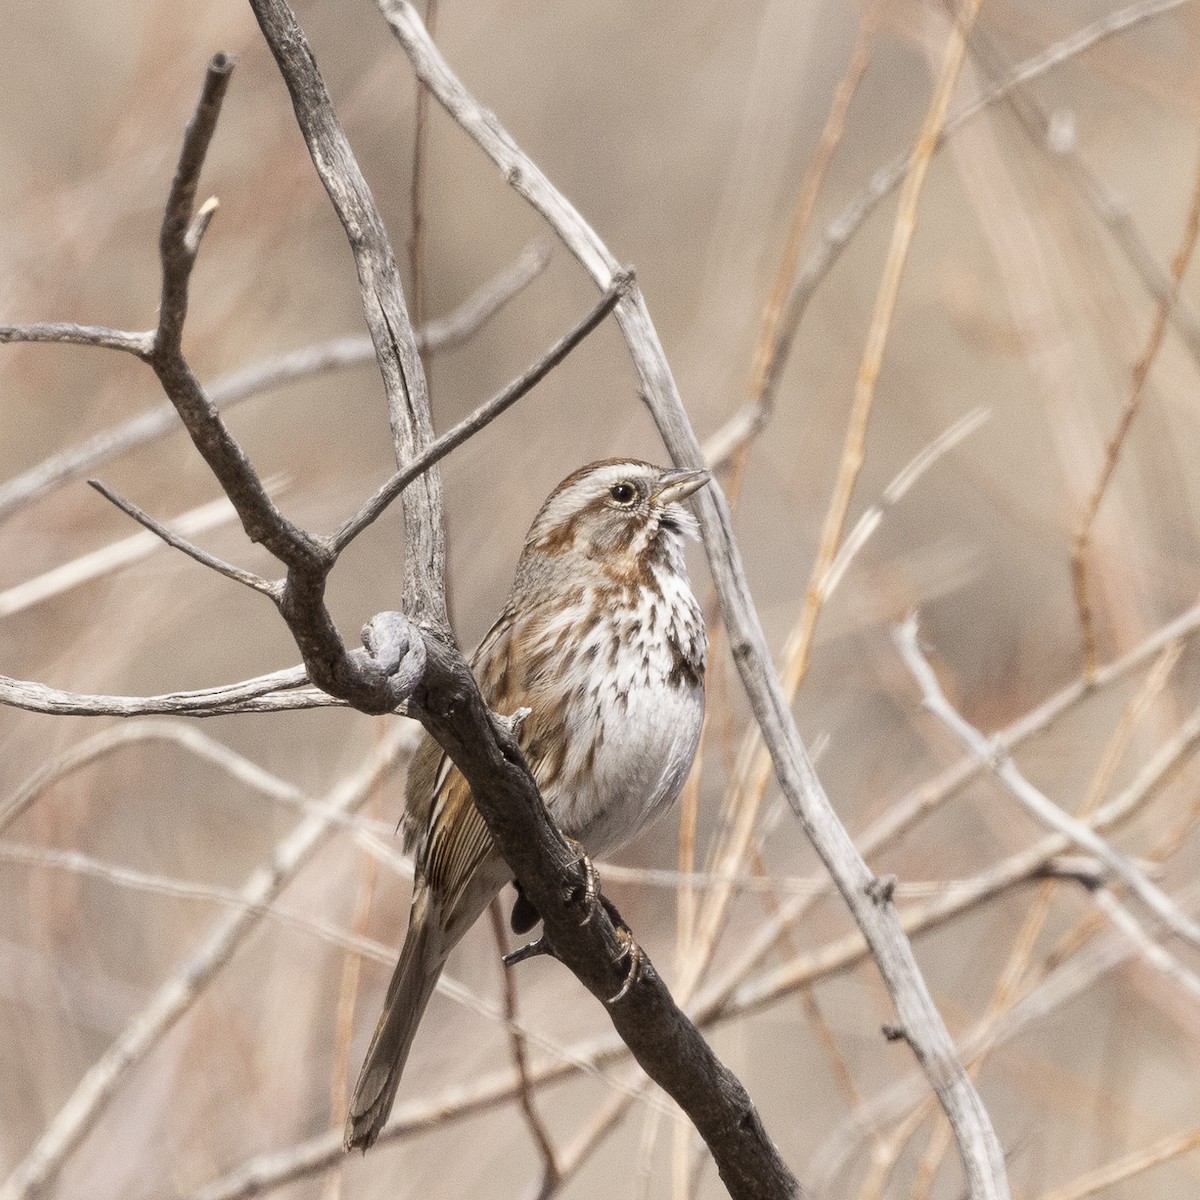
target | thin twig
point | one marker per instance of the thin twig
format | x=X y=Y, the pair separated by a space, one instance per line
x=281 y=691
x=98 y=563
x=178 y=542
x=67 y=333
x=482 y=416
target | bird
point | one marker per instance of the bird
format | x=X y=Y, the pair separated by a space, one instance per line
x=604 y=643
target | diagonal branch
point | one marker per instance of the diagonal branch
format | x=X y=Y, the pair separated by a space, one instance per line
x=483 y=415
x=383 y=305
x=927 y=1034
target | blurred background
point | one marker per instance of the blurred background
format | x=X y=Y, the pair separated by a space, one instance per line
x=691 y=136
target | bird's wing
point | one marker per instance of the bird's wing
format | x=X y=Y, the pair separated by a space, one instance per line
x=441 y=824
x=458 y=842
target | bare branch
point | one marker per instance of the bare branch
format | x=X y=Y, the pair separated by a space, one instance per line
x=177 y=247
x=265 y=693
x=68 y=334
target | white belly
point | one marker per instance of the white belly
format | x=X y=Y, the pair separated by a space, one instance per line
x=637 y=772
x=650 y=719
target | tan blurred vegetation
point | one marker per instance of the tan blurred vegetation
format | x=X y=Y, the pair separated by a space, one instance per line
x=683 y=133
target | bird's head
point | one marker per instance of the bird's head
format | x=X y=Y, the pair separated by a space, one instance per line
x=620 y=513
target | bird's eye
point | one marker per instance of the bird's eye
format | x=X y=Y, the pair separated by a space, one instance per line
x=623 y=493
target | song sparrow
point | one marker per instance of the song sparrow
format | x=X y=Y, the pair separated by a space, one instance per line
x=603 y=641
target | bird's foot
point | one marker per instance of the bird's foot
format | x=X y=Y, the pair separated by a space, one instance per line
x=635 y=955
x=590 y=888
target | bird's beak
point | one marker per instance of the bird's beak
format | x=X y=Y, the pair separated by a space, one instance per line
x=678 y=485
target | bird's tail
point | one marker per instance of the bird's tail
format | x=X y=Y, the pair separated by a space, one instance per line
x=426 y=949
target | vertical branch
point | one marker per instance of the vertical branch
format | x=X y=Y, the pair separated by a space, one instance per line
x=383 y=305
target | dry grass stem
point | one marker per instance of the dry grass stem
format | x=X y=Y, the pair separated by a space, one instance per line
x=1129 y=1166
x=520 y=1057
x=855 y=449
x=1082 y=547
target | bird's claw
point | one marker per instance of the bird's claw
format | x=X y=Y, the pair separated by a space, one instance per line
x=591 y=885
x=636 y=958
